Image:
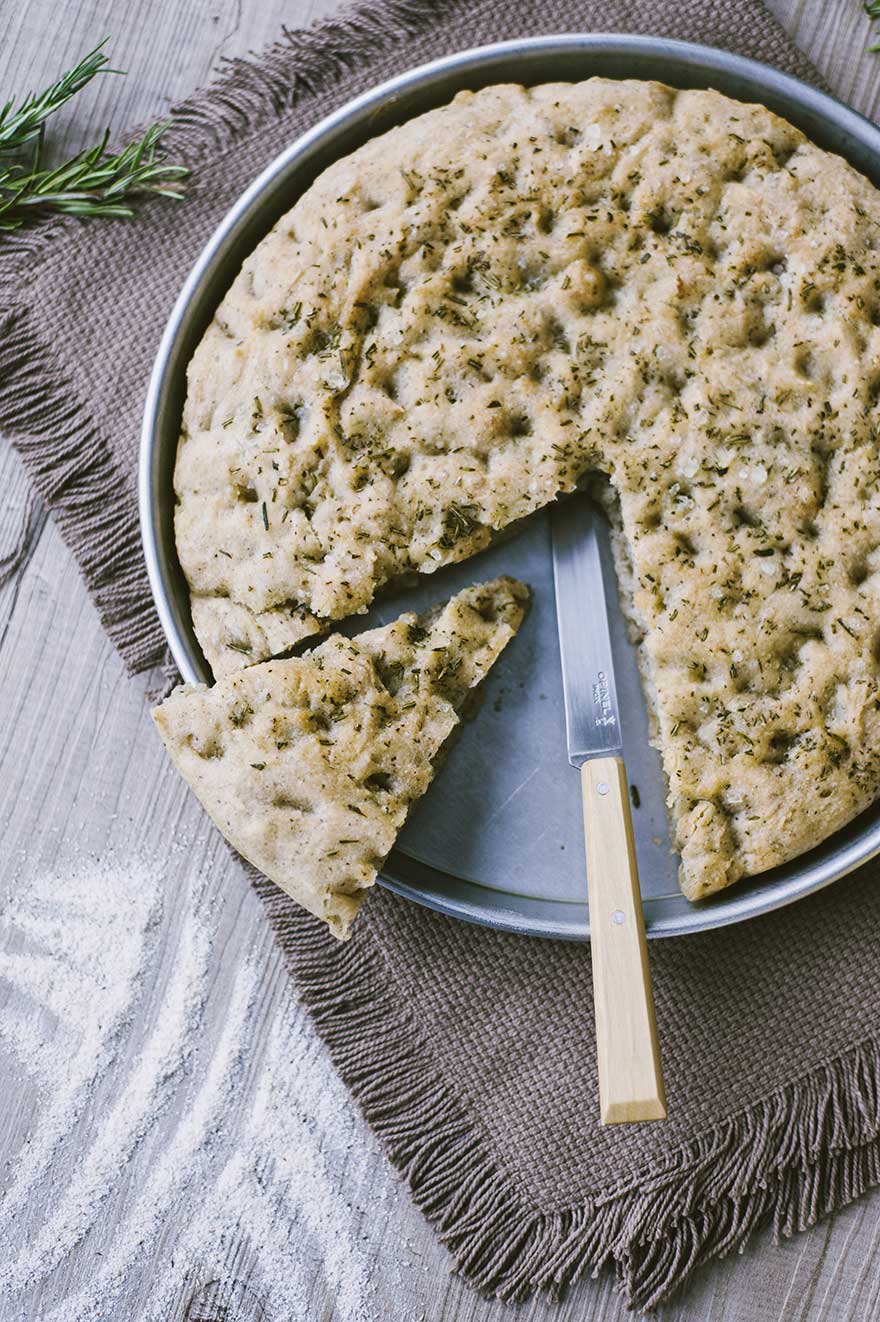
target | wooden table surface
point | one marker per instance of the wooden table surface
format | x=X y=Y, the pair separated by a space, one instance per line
x=83 y=777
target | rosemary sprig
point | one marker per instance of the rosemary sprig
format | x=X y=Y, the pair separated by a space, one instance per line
x=872 y=9
x=21 y=124
x=92 y=183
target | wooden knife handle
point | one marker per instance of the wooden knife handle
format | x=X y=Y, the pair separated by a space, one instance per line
x=630 y=1079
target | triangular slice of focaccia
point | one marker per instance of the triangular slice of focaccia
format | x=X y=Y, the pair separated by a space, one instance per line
x=309 y=765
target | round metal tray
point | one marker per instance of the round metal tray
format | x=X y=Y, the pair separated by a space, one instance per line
x=497 y=840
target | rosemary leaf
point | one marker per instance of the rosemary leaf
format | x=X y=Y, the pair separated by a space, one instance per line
x=872 y=9
x=95 y=182
x=22 y=124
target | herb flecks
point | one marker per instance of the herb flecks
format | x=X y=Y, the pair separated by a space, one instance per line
x=459 y=521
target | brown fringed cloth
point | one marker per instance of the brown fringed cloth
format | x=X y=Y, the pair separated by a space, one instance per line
x=471 y=1053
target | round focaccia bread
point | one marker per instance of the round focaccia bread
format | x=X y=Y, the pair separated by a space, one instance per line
x=460 y=320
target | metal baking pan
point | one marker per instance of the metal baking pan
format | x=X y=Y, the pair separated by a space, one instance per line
x=497 y=839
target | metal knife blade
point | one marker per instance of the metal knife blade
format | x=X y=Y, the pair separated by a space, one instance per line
x=627 y=1051
x=592 y=716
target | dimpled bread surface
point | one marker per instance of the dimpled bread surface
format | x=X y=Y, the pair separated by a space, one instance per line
x=309 y=765
x=460 y=320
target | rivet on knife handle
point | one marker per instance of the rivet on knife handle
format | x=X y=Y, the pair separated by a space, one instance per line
x=630 y=1078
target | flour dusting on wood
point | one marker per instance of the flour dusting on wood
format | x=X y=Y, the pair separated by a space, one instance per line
x=153 y=1081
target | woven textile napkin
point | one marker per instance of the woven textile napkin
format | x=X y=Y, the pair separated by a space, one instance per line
x=470 y=1052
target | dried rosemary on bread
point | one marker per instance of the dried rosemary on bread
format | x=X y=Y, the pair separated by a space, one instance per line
x=309 y=765
x=461 y=319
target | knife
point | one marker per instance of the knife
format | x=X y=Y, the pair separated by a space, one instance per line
x=630 y=1078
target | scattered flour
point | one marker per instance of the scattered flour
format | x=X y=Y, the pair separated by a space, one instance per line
x=202 y=1144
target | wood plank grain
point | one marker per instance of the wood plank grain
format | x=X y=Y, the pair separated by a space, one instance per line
x=83 y=776
x=836 y=38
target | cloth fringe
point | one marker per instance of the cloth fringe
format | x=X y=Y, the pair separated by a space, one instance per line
x=25 y=538
x=167 y=679
x=784 y=1162
x=304 y=63
x=75 y=475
